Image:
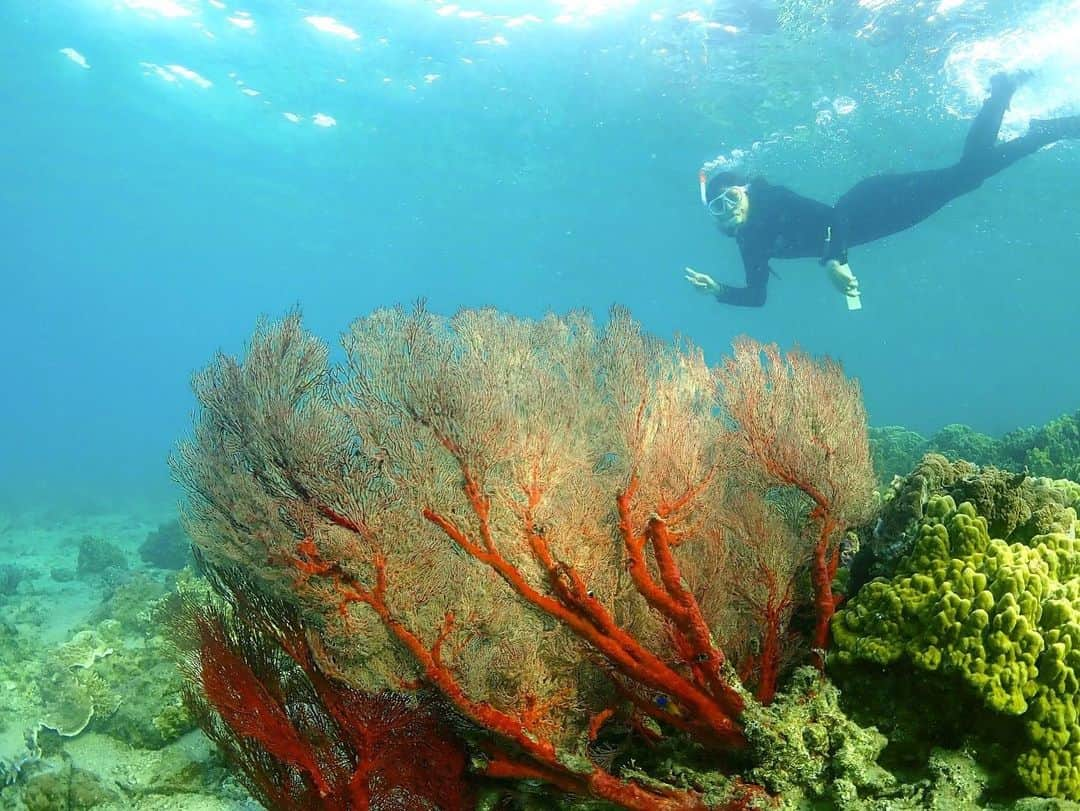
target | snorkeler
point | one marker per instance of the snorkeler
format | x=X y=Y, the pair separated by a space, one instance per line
x=773 y=222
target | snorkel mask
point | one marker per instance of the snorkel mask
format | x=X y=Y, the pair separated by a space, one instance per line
x=729 y=208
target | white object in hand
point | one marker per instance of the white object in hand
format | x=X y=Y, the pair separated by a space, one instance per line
x=844 y=281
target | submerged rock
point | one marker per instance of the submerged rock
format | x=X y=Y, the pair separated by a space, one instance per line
x=167 y=547
x=98 y=556
x=10 y=577
x=66 y=788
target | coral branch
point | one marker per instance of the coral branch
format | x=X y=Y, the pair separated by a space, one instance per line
x=245 y=705
x=823 y=572
x=714 y=714
x=312 y=743
x=597 y=781
x=598 y=721
x=690 y=622
x=599 y=784
x=667 y=509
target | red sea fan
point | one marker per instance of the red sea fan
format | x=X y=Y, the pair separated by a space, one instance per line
x=304 y=741
x=544 y=524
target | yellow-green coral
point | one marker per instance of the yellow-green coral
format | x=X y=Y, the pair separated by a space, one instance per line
x=1004 y=618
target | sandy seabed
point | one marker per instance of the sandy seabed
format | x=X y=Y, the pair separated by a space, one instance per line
x=90 y=710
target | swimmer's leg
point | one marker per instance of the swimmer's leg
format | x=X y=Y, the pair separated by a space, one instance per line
x=984 y=130
x=1039 y=134
x=1056 y=129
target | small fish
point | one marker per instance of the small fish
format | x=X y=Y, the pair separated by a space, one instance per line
x=665 y=703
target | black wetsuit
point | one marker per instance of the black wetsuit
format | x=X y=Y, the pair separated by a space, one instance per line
x=784 y=225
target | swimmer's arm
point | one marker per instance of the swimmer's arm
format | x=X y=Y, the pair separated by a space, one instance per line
x=757 y=270
x=752 y=295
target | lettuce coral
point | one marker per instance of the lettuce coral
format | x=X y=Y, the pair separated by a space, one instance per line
x=1002 y=617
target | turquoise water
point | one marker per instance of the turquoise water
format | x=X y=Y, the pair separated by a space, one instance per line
x=175 y=169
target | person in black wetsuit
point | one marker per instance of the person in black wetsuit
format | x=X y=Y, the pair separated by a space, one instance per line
x=773 y=222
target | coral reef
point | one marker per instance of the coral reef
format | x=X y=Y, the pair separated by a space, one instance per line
x=167 y=547
x=70 y=687
x=313 y=698
x=301 y=738
x=543 y=524
x=67 y=788
x=895 y=451
x=10 y=577
x=807 y=751
x=90 y=711
x=98 y=556
x=127 y=602
x=1017 y=507
x=961 y=442
x=999 y=616
x=1052 y=450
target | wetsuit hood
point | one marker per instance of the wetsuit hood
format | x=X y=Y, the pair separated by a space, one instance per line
x=716 y=184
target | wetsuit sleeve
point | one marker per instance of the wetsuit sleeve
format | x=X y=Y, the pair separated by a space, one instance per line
x=757 y=270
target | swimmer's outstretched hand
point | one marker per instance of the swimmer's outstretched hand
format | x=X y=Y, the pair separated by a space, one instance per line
x=703 y=282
